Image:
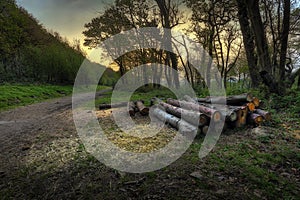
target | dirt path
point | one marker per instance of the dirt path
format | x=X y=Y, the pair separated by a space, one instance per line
x=20 y=127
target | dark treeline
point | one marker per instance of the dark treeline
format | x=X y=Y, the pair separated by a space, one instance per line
x=30 y=53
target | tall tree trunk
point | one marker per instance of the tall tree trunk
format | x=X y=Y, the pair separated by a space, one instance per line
x=261 y=45
x=284 y=43
x=248 y=40
x=165 y=13
x=225 y=80
x=210 y=52
x=260 y=36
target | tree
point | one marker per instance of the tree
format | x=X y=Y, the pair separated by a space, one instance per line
x=110 y=23
x=214 y=25
x=169 y=18
x=249 y=45
x=130 y=15
x=250 y=19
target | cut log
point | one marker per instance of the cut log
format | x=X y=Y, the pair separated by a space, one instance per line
x=229 y=112
x=230 y=100
x=266 y=115
x=142 y=108
x=213 y=114
x=132 y=109
x=254 y=119
x=193 y=117
x=230 y=115
x=241 y=116
x=251 y=106
x=175 y=122
x=173 y=102
x=109 y=106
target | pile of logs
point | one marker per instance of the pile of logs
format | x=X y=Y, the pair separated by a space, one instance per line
x=239 y=111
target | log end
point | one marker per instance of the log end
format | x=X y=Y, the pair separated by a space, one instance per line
x=259 y=120
x=251 y=106
x=217 y=116
x=233 y=116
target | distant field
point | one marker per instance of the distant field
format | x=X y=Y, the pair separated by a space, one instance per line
x=12 y=96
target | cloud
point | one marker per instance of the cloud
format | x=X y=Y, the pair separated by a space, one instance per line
x=64 y=16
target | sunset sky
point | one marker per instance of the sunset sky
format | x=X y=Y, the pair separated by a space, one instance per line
x=65 y=16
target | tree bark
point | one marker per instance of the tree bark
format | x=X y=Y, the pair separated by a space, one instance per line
x=195 y=118
x=165 y=13
x=230 y=113
x=259 y=33
x=248 y=40
x=214 y=115
x=284 y=43
x=230 y=100
x=254 y=119
x=266 y=115
x=241 y=116
x=181 y=125
x=261 y=45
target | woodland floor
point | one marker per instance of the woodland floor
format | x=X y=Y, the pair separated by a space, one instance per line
x=43 y=158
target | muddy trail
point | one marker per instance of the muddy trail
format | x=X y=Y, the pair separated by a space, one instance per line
x=43 y=158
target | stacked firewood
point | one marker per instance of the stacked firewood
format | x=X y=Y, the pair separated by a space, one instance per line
x=239 y=111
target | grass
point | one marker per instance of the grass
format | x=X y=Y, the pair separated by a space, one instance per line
x=141 y=94
x=259 y=166
x=12 y=96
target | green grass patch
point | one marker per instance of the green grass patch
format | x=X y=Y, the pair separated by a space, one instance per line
x=262 y=170
x=12 y=96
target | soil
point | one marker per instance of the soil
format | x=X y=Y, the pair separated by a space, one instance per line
x=43 y=158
